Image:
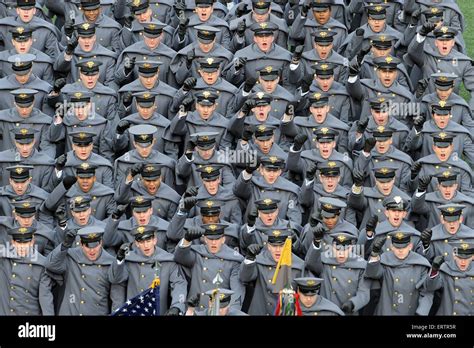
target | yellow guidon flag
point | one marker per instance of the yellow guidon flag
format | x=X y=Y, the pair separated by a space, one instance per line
x=282 y=276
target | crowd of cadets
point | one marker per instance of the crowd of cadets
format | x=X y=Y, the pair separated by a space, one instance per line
x=189 y=139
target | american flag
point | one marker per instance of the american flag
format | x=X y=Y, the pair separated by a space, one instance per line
x=145 y=304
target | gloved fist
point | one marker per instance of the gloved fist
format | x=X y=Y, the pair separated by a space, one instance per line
x=190 y=55
x=60 y=162
x=299 y=141
x=128 y=20
x=241 y=28
x=371 y=225
x=69 y=27
x=249 y=84
x=415 y=170
x=129 y=64
x=377 y=245
x=358 y=177
x=248 y=106
x=252 y=251
x=252 y=165
x=187 y=104
x=192 y=234
x=123 y=251
x=311 y=170
x=191 y=191
x=68 y=181
x=362 y=125
x=188 y=204
x=69 y=238
x=136 y=169
x=182 y=27
x=318 y=234
x=247 y=133
x=425 y=237
x=252 y=217
x=241 y=10
x=437 y=262
x=122 y=126
x=297 y=54
x=419 y=122
x=127 y=99
x=424 y=182
x=421 y=87
x=189 y=84
x=59 y=84
x=239 y=63
x=173 y=312
x=348 y=307
x=71 y=45
x=369 y=144
x=427 y=28
x=119 y=211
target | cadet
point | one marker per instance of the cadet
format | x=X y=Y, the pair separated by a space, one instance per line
x=147 y=114
x=143 y=141
x=82 y=147
x=46 y=35
x=140 y=262
x=25 y=116
x=311 y=302
x=380 y=115
x=22 y=41
x=327 y=185
x=26 y=286
x=444 y=91
x=262 y=219
x=446 y=192
x=151 y=48
x=379 y=150
x=368 y=200
x=85 y=46
x=104 y=98
x=259 y=266
x=455 y=278
x=91 y=12
x=149 y=183
x=212 y=264
x=420 y=141
x=323 y=52
x=204 y=119
x=148 y=81
x=268 y=183
x=403 y=273
x=23 y=78
x=118 y=231
x=24 y=153
x=342 y=270
x=102 y=203
x=200 y=152
x=440 y=58
x=87 y=282
x=304 y=27
x=185 y=65
x=78 y=116
x=263 y=52
x=225 y=297
x=186 y=33
x=443 y=156
x=242 y=36
x=325 y=140
x=319 y=118
x=212 y=188
x=451 y=229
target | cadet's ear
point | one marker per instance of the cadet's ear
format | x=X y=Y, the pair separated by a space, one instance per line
x=410 y=246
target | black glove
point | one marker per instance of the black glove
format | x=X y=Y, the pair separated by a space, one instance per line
x=182 y=26
x=59 y=84
x=189 y=84
x=136 y=169
x=122 y=126
x=369 y=144
x=69 y=238
x=68 y=181
x=358 y=177
x=347 y=307
x=241 y=28
x=415 y=170
x=297 y=54
x=191 y=191
x=190 y=55
x=354 y=68
x=299 y=141
x=71 y=45
x=190 y=147
x=418 y=122
x=119 y=211
x=305 y=86
x=180 y=7
x=69 y=27
x=252 y=166
x=241 y=10
x=61 y=162
x=424 y=182
x=188 y=204
x=314 y=220
x=123 y=251
x=61 y=216
x=425 y=237
x=311 y=170
x=252 y=251
x=437 y=262
x=421 y=88
x=192 y=234
x=305 y=8
x=187 y=104
x=248 y=106
x=362 y=53
x=377 y=245
x=427 y=28
x=240 y=63
x=194 y=301
x=252 y=217
x=173 y=311
x=247 y=133
x=129 y=64
x=128 y=21
x=362 y=125
x=318 y=234
x=127 y=99
x=360 y=32
x=415 y=17
x=371 y=225
x=249 y=83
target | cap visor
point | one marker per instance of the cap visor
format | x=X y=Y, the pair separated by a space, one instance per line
x=213 y=236
x=451 y=218
x=268 y=77
x=447 y=183
x=261 y=11
x=442 y=144
x=25 y=141
x=399 y=245
x=148 y=143
x=90 y=244
x=443 y=87
x=264 y=138
x=327 y=214
x=384 y=179
x=140 y=209
x=377 y=16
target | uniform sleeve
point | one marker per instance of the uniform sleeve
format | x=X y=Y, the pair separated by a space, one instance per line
x=357 y=201
x=184 y=256
x=425 y=300
x=306 y=197
x=112 y=236
x=248 y=271
x=294 y=162
x=362 y=297
x=178 y=286
x=123 y=192
x=242 y=188
x=374 y=270
x=56 y=261
x=313 y=260
x=45 y=295
x=175 y=231
x=236 y=286
x=118 y=272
